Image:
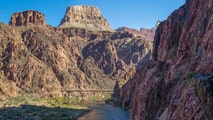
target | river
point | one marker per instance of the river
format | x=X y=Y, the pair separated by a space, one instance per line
x=103 y=111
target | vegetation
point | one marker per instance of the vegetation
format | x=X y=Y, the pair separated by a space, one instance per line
x=188 y=75
x=87 y=98
x=31 y=107
x=114 y=102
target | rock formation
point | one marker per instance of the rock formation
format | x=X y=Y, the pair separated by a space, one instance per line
x=143 y=32
x=119 y=55
x=37 y=58
x=86 y=17
x=177 y=83
x=113 y=52
x=27 y=17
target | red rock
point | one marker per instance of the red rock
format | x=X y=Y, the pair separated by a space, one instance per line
x=114 y=52
x=86 y=17
x=167 y=88
x=40 y=59
x=27 y=17
x=143 y=32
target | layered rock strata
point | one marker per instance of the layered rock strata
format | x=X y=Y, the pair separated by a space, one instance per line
x=143 y=32
x=113 y=52
x=177 y=83
x=86 y=17
x=27 y=17
x=37 y=58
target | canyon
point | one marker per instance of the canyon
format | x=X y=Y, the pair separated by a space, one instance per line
x=177 y=83
x=163 y=73
x=83 y=53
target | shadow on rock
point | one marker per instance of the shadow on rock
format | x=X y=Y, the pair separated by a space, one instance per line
x=33 y=112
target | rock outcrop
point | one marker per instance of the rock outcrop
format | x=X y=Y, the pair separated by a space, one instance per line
x=86 y=17
x=27 y=17
x=119 y=55
x=91 y=35
x=177 y=83
x=113 y=52
x=143 y=32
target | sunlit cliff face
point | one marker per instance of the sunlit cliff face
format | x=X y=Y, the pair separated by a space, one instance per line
x=86 y=17
x=27 y=17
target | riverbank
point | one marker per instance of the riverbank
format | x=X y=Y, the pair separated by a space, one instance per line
x=25 y=107
x=34 y=107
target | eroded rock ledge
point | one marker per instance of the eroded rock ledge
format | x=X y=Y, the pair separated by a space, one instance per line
x=27 y=17
x=86 y=17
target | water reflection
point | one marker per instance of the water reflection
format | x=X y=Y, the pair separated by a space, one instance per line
x=104 y=111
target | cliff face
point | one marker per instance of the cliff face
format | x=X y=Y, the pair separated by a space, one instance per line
x=27 y=17
x=143 y=32
x=177 y=84
x=120 y=55
x=190 y=29
x=116 y=53
x=37 y=58
x=86 y=17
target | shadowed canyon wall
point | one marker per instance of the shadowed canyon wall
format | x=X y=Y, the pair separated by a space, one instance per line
x=177 y=83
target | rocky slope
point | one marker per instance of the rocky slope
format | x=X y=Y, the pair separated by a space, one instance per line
x=119 y=55
x=143 y=32
x=116 y=53
x=37 y=58
x=177 y=83
x=44 y=61
x=85 y=17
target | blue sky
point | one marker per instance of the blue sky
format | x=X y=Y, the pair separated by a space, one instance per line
x=119 y=13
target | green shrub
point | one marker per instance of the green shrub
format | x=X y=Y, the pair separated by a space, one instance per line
x=28 y=106
x=188 y=76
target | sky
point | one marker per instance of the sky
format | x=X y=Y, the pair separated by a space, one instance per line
x=119 y=13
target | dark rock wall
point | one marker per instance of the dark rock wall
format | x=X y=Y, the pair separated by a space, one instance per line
x=168 y=88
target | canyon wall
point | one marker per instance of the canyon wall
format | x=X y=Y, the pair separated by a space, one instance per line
x=37 y=58
x=177 y=83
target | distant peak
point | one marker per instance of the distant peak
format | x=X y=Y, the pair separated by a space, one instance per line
x=143 y=32
x=27 y=17
x=83 y=6
x=87 y=17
